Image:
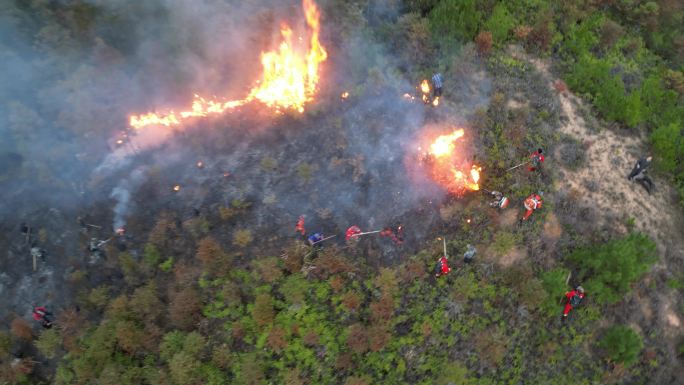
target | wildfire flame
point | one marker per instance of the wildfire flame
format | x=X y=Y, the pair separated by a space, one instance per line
x=444 y=145
x=442 y=161
x=289 y=79
x=425 y=89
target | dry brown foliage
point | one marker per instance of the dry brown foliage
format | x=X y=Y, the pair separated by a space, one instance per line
x=358 y=338
x=383 y=309
x=184 y=309
x=484 y=42
x=293 y=256
x=277 y=339
x=164 y=229
x=560 y=86
x=21 y=329
x=237 y=330
x=208 y=249
x=336 y=283
x=379 y=338
x=128 y=336
x=329 y=263
x=412 y=271
x=522 y=31
x=263 y=312
x=386 y=281
x=344 y=361
x=351 y=301
x=310 y=339
x=491 y=345
x=268 y=269
x=221 y=356
x=540 y=36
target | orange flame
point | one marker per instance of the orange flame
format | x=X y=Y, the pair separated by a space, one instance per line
x=445 y=144
x=442 y=161
x=289 y=79
x=425 y=87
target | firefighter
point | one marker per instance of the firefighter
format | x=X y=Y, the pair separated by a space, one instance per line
x=498 y=200
x=352 y=233
x=315 y=238
x=41 y=315
x=536 y=160
x=94 y=245
x=533 y=202
x=437 y=84
x=300 y=225
x=442 y=267
x=572 y=299
x=469 y=254
x=37 y=252
x=640 y=173
x=396 y=233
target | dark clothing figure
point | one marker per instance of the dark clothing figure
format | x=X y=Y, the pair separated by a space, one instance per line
x=469 y=254
x=640 y=167
x=315 y=238
x=640 y=174
x=437 y=84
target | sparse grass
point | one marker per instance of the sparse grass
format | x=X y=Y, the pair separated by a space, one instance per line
x=504 y=241
x=269 y=164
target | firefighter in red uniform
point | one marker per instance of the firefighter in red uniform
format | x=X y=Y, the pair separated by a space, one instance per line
x=536 y=160
x=41 y=315
x=442 y=267
x=533 y=202
x=300 y=225
x=352 y=233
x=572 y=299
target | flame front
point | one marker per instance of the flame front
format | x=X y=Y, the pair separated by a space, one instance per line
x=425 y=89
x=442 y=161
x=289 y=79
x=444 y=145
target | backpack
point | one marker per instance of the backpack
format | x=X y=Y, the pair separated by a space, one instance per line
x=575 y=300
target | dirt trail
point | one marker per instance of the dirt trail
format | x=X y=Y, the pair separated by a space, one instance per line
x=602 y=183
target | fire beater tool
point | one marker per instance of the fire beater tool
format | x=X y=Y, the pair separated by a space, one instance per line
x=324 y=239
x=366 y=233
x=521 y=164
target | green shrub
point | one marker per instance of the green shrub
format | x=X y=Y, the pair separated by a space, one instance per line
x=621 y=344
x=151 y=255
x=48 y=342
x=553 y=282
x=455 y=19
x=500 y=23
x=608 y=269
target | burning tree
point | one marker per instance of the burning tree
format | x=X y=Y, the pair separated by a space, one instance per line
x=289 y=79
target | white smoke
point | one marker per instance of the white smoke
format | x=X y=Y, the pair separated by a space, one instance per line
x=122 y=194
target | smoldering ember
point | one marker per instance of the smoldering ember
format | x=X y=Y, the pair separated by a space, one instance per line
x=341 y=192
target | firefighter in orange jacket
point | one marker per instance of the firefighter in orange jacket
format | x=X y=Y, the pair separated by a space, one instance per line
x=572 y=299
x=533 y=202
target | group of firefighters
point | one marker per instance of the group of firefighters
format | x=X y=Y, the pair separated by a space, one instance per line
x=533 y=202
